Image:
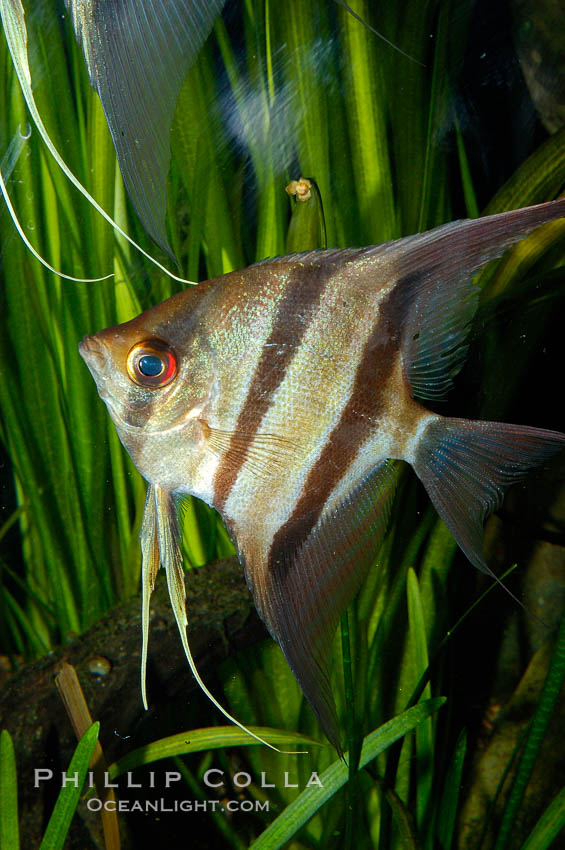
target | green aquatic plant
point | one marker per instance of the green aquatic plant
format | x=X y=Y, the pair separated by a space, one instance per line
x=67 y=800
x=278 y=91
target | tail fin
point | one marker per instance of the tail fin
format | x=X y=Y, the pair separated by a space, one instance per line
x=466 y=466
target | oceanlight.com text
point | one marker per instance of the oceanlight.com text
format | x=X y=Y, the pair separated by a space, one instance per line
x=162 y=806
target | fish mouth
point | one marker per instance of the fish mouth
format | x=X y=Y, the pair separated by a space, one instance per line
x=90 y=347
x=94 y=355
x=92 y=352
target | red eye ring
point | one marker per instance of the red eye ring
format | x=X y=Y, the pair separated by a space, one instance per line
x=151 y=363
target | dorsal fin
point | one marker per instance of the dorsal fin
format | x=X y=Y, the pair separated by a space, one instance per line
x=318 y=256
x=435 y=298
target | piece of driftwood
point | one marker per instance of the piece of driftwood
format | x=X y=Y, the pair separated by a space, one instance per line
x=107 y=660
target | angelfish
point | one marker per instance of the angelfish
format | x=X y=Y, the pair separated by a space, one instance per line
x=279 y=394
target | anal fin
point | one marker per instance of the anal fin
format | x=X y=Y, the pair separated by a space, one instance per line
x=305 y=590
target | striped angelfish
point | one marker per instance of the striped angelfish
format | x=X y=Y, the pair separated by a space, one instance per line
x=279 y=394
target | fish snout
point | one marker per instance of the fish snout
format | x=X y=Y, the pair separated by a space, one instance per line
x=94 y=354
x=90 y=347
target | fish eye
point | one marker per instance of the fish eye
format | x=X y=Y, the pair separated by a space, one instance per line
x=151 y=363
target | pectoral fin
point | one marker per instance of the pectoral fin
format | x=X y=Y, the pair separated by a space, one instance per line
x=303 y=592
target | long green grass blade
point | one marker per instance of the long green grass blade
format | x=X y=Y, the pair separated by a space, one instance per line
x=353 y=740
x=9 y=828
x=536 y=180
x=538 y=727
x=424 y=734
x=313 y=798
x=549 y=826
x=69 y=795
x=447 y=815
x=197 y=740
x=367 y=119
x=307 y=68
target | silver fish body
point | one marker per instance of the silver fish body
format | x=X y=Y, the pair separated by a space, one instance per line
x=278 y=394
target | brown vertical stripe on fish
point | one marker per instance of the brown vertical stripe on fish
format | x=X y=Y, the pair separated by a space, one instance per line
x=358 y=421
x=302 y=292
